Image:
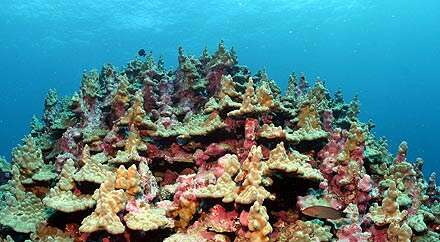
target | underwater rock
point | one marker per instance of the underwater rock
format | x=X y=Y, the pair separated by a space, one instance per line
x=209 y=152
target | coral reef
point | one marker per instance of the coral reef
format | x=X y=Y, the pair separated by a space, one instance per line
x=209 y=152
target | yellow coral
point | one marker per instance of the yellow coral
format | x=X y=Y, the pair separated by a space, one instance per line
x=356 y=138
x=389 y=211
x=28 y=159
x=92 y=170
x=229 y=163
x=399 y=233
x=251 y=176
x=201 y=125
x=264 y=97
x=270 y=131
x=133 y=144
x=225 y=187
x=128 y=180
x=227 y=87
x=68 y=202
x=307 y=231
x=136 y=114
x=147 y=218
x=121 y=96
x=185 y=212
x=259 y=226
x=180 y=237
x=309 y=125
x=109 y=203
x=295 y=163
x=249 y=100
x=224 y=99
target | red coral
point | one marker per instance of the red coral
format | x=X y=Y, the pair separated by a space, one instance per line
x=353 y=233
x=221 y=220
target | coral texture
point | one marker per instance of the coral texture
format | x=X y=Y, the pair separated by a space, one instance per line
x=209 y=152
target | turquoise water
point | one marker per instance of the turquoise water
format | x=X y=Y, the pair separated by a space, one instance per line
x=386 y=51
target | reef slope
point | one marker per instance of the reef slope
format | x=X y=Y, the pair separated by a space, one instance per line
x=209 y=152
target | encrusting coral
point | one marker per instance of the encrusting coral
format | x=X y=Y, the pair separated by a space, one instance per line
x=209 y=152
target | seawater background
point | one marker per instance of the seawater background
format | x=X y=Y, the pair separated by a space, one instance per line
x=387 y=51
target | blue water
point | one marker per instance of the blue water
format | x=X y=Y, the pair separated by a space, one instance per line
x=387 y=51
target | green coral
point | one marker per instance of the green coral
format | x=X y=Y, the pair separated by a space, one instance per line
x=28 y=159
x=192 y=80
x=51 y=98
x=37 y=125
x=90 y=84
x=4 y=165
x=291 y=91
x=354 y=108
x=65 y=117
x=428 y=237
x=222 y=57
x=50 y=106
x=416 y=223
x=22 y=211
x=92 y=134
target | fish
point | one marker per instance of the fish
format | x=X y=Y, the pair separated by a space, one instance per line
x=181 y=141
x=324 y=212
x=142 y=52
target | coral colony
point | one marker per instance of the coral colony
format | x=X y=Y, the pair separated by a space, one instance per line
x=209 y=152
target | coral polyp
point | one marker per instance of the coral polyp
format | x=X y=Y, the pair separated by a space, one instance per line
x=209 y=152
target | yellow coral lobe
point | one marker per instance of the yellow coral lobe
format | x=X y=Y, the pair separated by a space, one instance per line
x=129 y=180
x=109 y=203
x=147 y=218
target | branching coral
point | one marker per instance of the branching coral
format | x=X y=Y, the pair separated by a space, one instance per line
x=92 y=170
x=295 y=163
x=252 y=177
x=254 y=101
x=309 y=125
x=46 y=233
x=109 y=203
x=258 y=223
x=136 y=114
x=389 y=211
x=225 y=187
x=29 y=161
x=61 y=196
x=304 y=231
x=129 y=180
x=226 y=98
x=20 y=210
x=133 y=144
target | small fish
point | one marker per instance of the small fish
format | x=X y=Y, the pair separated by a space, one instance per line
x=322 y=212
x=181 y=141
x=142 y=53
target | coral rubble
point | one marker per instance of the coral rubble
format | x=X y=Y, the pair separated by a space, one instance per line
x=209 y=152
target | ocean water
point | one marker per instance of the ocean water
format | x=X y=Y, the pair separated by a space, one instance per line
x=387 y=52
